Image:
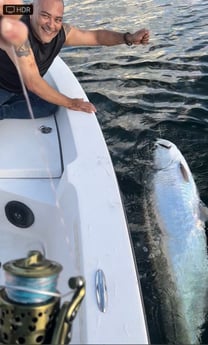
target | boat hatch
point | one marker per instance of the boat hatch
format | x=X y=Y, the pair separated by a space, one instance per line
x=29 y=148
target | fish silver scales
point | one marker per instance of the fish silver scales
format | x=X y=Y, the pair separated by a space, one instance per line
x=178 y=235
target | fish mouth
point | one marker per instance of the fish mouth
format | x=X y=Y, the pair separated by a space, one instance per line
x=163 y=143
x=163 y=157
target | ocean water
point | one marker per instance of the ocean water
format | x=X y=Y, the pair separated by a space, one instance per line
x=145 y=92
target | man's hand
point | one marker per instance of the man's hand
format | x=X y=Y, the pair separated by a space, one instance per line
x=12 y=31
x=140 y=37
x=79 y=104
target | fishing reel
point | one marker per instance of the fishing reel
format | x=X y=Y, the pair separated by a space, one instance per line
x=30 y=311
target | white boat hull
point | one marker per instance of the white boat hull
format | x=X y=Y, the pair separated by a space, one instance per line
x=67 y=179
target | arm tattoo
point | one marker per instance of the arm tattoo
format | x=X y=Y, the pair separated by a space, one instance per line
x=67 y=28
x=23 y=49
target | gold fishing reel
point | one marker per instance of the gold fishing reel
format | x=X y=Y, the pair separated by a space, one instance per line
x=24 y=318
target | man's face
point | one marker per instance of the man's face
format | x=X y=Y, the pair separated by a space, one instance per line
x=47 y=18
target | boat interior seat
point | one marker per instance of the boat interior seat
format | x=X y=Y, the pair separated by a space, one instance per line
x=29 y=148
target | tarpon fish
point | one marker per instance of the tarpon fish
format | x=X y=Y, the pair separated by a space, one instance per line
x=179 y=247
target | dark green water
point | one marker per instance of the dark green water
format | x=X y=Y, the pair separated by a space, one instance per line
x=142 y=93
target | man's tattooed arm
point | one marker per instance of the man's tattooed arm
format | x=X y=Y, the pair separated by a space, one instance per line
x=23 y=49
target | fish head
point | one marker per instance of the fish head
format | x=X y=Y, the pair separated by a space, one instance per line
x=165 y=154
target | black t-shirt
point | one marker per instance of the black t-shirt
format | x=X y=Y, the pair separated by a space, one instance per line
x=44 y=56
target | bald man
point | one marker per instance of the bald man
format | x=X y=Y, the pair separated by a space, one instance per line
x=47 y=34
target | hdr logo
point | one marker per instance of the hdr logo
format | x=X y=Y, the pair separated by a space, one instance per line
x=18 y=9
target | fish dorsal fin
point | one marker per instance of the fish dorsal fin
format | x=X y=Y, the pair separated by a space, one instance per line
x=184 y=172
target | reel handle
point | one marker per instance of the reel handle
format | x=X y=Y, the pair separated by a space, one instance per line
x=63 y=328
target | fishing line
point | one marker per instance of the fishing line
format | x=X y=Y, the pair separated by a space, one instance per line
x=33 y=117
x=44 y=156
x=20 y=289
x=47 y=284
x=22 y=84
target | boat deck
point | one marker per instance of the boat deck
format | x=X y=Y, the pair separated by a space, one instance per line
x=79 y=221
